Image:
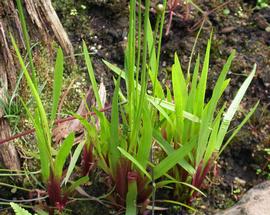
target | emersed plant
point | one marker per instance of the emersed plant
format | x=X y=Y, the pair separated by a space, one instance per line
x=209 y=131
x=124 y=143
x=51 y=160
x=123 y=148
x=181 y=122
x=188 y=118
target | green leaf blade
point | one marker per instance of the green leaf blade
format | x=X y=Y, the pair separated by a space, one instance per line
x=57 y=84
x=63 y=154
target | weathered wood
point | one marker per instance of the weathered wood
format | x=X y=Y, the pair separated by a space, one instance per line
x=44 y=25
x=44 y=16
x=8 y=153
x=9 y=22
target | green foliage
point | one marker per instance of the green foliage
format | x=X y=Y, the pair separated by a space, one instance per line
x=266 y=171
x=27 y=40
x=57 y=84
x=12 y=108
x=119 y=146
x=187 y=120
x=62 y=155
x=131 y=197
x=18 y=209
x=262 y=4
x=207 y=134
x=21 y=211
x=182 y=123
x=51 y=166
x=40 y=121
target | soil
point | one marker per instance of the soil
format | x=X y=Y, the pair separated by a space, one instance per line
x=237 y=25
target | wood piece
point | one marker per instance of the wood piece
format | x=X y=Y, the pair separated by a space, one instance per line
x=8 y=154
x=44 y=16
x=9 y=23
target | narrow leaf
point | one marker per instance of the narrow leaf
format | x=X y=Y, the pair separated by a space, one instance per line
x=169 y=149
x=73 y=161
x=77 y=183
x=250 y=113
x=145 y=145
x=57 y=84
x=131 y=199
x=233 y=108
x=62 y=154
x=91 y=74
x=172 y=159
x=114 y=136
x=134 y=161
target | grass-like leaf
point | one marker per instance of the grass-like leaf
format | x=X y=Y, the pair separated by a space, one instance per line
x=131 y=200
x=77 y=183
x=180 y=96
x=233 y=108
x=73 y=161
x=57 y=84
x=134 y=161
x=114 y=154
x=247 y=117
x=172 y=159
x=27 y=41
x=62 y=154
x=145 y=145
x=36 y=96
x=167 y=147
x=91 y=74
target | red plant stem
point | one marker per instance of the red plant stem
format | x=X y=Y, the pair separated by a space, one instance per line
x=17 y=136
x=195 y=180
x=120 y=179
x=59 y=121
x=88 y=160
x=199 y=178
x=206 y=14
x=197 y=175
x=205 y=172
x=218 y=7
x=169 y=24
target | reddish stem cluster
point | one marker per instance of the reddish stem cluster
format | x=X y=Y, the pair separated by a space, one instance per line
x=57 y=199
x=87 y=159
x=173 y=5
x=124 y=175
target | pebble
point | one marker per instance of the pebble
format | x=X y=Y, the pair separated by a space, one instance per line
x=164 y=64
x=254 y=202
x=239 y=181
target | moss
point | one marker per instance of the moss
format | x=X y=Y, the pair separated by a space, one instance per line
x=73 y=15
